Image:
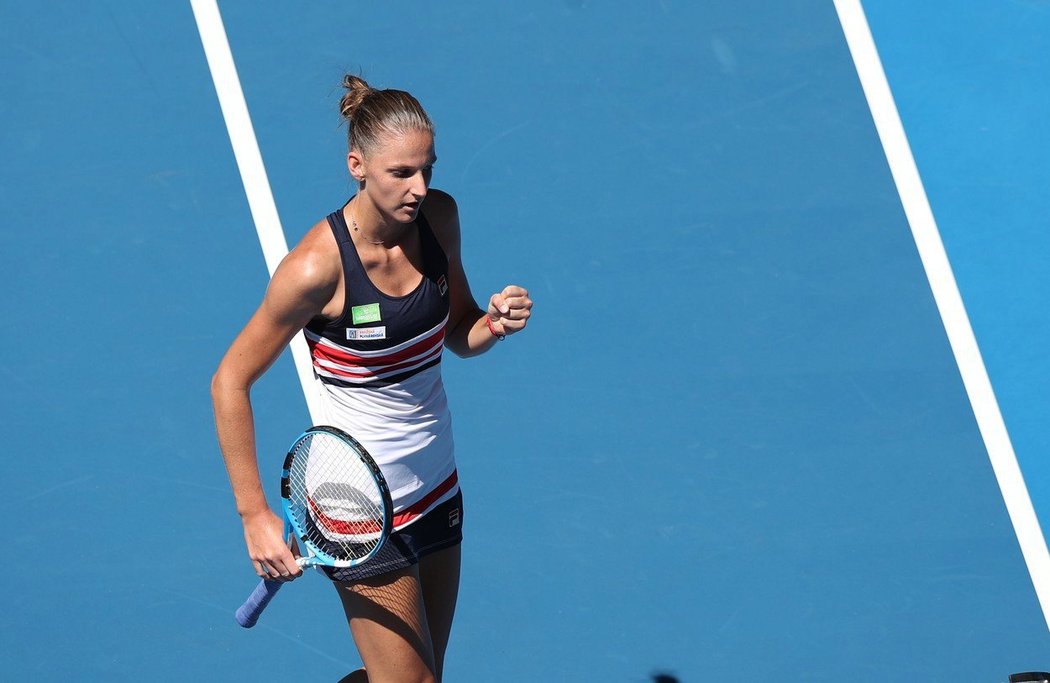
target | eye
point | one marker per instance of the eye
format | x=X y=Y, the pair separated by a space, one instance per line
x=409 y=172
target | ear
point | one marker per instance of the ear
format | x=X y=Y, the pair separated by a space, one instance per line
x=355 y=163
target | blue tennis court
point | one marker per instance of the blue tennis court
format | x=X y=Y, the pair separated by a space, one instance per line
x=736 y=440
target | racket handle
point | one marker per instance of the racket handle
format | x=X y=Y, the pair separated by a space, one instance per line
x=253 y=607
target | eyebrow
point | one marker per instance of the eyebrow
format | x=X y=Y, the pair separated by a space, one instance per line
x=398 y=167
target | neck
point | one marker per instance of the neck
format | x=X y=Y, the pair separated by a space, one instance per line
x=365 y=224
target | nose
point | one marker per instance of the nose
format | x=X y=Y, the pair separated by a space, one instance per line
x=419 y=185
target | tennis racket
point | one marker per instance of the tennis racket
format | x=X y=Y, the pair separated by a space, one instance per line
x=335 y=501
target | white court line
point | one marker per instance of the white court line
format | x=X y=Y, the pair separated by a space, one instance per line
x=253 y=173
x=946 y=294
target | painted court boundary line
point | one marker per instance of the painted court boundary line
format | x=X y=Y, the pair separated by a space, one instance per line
x=946 y=294
x=909 y=186
x=253 y=173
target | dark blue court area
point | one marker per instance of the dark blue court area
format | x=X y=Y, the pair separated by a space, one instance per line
x=734 y=443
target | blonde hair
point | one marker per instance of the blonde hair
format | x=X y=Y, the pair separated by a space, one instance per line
x=370 y=113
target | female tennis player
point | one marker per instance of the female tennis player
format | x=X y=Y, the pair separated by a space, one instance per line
x=379 y=289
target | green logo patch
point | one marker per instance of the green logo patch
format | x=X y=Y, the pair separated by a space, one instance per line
x=368 y=313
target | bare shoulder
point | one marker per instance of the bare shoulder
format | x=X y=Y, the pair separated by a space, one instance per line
x=312 y=269
x=316 y=255
x=443 y=215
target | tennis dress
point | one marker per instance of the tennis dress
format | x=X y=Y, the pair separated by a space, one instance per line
x=379 y=370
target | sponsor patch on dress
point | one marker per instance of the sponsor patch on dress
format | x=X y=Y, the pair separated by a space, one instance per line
x=360 y=333
x=369 y=313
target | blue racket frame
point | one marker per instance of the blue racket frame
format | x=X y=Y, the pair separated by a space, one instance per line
x=318 y=556
x=248 y=613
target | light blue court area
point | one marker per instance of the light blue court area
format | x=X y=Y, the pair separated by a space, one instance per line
x=734 y=442
x=974 y=105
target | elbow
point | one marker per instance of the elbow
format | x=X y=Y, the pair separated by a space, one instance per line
x=220 y=385
x=461 y=352
x=459 y=344
x=216 y=385
x=227 y=384
x=465 y=350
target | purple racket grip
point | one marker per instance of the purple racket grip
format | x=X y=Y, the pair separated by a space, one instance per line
x=253 y=607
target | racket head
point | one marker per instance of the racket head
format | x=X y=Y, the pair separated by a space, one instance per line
x=335 y=498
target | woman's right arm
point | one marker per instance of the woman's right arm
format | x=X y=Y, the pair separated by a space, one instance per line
x=301 y=288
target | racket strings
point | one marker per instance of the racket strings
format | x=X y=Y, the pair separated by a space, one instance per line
x=335 y=498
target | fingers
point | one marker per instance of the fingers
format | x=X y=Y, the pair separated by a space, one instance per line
x=512 y=297
x=497 y=306
x=516 y=299
x=278 y=568
x=510 y=309
x=271 y=554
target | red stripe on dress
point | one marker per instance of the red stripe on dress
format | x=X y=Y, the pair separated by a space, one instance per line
x=371 y=526
x=371 y=374
x=343 y=526
x=341 y=355
x=415 y=510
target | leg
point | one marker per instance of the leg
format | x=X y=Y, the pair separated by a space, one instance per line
x=389 y=624
x=439 y=575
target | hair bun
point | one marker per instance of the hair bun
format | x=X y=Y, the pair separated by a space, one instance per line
x=371 y=113
x=356 y=92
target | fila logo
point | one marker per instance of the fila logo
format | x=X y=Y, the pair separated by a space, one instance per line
x=453 y=518
x=442 y=285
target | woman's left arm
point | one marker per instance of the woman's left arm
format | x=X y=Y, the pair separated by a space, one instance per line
x=470 y=330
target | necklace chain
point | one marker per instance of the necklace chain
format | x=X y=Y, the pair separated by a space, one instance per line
x=353 y=224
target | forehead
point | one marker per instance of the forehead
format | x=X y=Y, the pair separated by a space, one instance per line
x=413 y=147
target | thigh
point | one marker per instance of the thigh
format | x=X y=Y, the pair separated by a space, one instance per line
x=388 y=620
x=439 y=577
